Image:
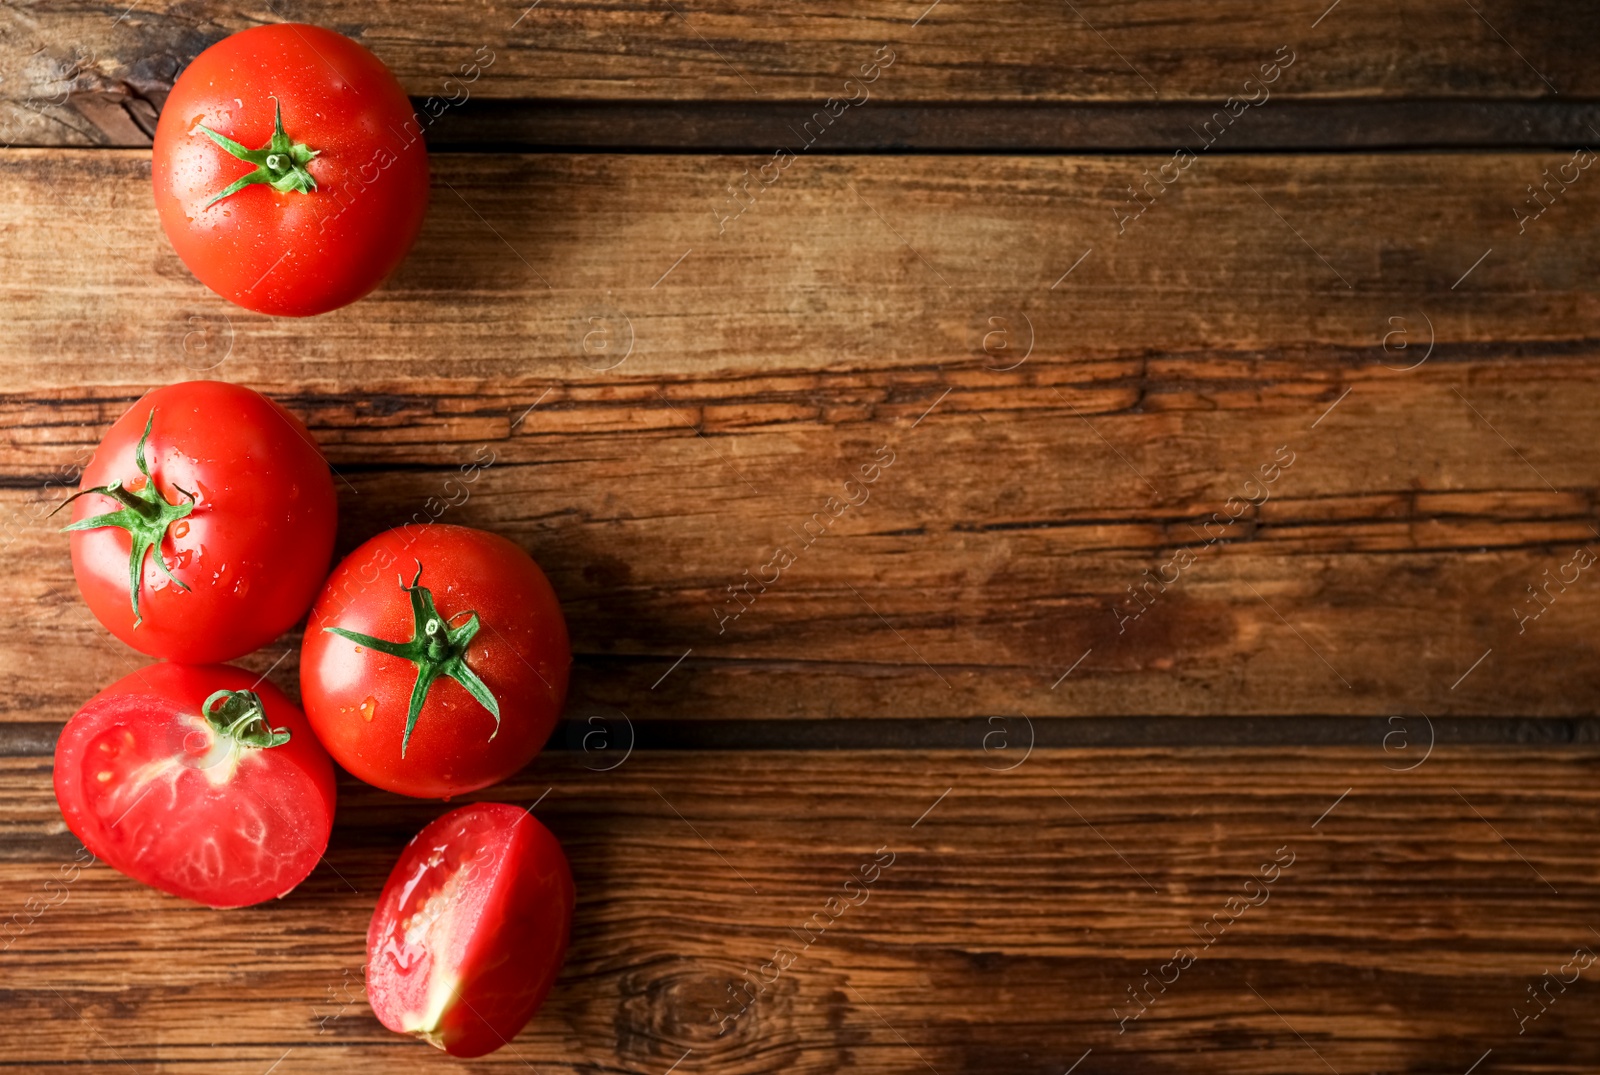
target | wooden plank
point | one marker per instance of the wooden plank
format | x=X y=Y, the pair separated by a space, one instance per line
x=78 y=75
x=1411 y=913
x=1389 y=566
x=871 y=263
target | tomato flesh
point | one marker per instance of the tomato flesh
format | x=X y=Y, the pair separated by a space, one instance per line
x=471 y=929
x=251 y=553
x=157 y=793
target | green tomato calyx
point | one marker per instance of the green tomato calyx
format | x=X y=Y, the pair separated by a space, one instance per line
x=240 y=716
x=145 y=514
x=436 y=648
x=281 y=163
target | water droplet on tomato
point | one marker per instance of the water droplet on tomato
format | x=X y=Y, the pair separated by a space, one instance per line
x=369 y=709
x=180 y=528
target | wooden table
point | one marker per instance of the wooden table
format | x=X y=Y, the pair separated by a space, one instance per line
x=1194 y=664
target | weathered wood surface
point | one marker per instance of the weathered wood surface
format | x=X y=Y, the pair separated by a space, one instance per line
x=669 y=383
x=675 y=404
x=98 y=74
x=1423 y=896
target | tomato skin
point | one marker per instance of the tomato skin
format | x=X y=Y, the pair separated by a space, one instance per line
x=480 y=900
x=358 y=698
x=291 y=253
x=177 y=810
x=253 y=551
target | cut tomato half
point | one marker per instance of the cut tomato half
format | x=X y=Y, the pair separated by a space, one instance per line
x=201 y=780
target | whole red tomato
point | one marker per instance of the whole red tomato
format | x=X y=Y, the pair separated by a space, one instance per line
x=289 y=169
x=202 y=781
x=471 y=928
x=435 y=662
x=204 y=523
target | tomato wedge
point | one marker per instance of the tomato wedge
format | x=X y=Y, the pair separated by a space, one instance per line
x=200 y=780
x=471 y=929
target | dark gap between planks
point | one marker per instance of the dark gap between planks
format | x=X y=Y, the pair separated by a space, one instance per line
x=37 y=738
x=1298 y=125
x=1018 y=127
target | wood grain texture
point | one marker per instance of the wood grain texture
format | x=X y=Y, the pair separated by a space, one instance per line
x=99 y=74
x=1415 y=910
x=662 y=369
x=675 y=405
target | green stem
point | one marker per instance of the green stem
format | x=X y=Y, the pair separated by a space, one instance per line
x=240 y=716
x=281 y=163
x=145 y=514
x=436 y=648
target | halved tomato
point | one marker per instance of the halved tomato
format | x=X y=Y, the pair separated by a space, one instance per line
x=201 y=780
x=471 y=929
